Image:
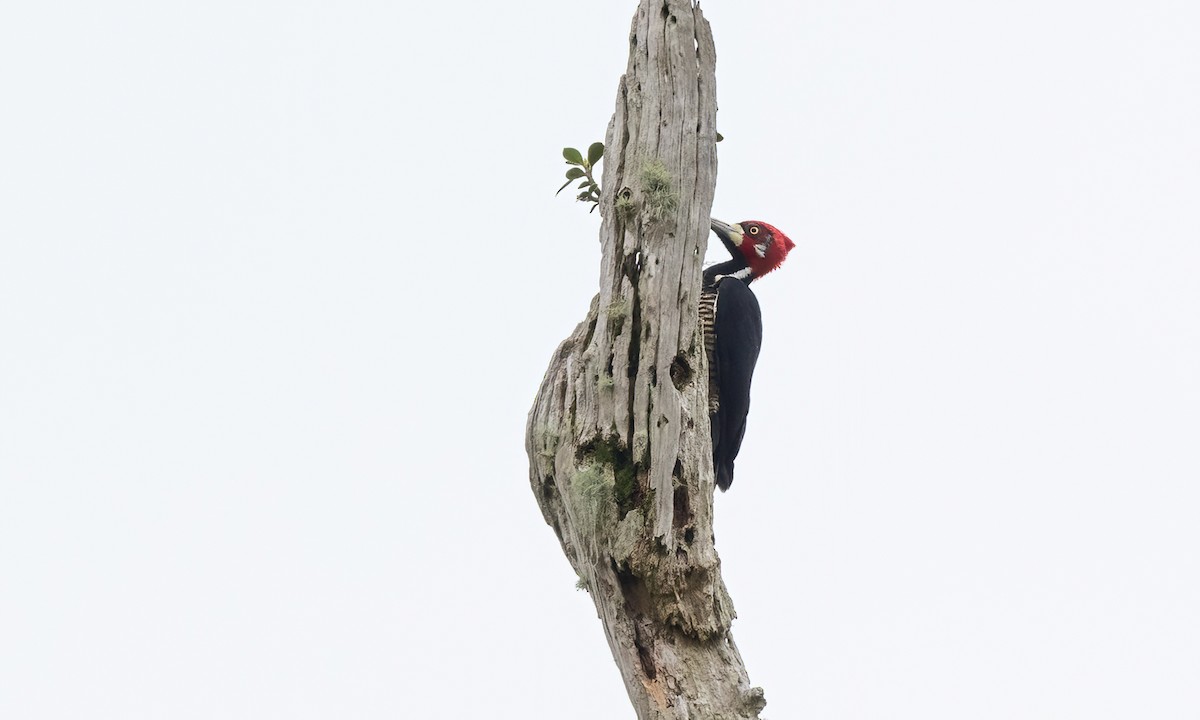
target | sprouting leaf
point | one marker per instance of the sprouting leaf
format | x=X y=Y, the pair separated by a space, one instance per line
x=582 y=171
x=720 y=137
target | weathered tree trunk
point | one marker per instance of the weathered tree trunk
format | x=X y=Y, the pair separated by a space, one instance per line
x=618 y=438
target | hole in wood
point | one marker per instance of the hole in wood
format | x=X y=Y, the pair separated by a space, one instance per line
x=681 y=372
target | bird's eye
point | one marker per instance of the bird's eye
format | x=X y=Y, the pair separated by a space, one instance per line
x=753 y=230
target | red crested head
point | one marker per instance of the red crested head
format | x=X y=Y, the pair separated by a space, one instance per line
x=764 y=247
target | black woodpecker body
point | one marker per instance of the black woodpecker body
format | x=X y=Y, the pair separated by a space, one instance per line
x=732 y=324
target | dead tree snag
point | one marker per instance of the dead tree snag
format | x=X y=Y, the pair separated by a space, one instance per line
x=618 y=437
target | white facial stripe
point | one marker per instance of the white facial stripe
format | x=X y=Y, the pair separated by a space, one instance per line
x=737 y=235
x=760 y=250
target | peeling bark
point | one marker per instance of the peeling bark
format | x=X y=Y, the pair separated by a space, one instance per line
x=618 y=437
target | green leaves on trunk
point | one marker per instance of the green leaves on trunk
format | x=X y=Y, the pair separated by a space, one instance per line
x=581 y=169
x=595 y=152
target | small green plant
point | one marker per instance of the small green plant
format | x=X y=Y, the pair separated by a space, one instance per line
x=581 y=169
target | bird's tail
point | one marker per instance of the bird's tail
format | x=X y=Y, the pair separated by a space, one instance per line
x=724 y=475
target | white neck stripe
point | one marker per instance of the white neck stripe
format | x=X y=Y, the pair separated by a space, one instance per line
x=740 y=274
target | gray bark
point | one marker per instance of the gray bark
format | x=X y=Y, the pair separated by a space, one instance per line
x=618 y=437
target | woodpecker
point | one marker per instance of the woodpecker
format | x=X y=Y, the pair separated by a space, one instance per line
x=732 y=324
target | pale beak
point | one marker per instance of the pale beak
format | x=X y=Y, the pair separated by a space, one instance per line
x=729 y=234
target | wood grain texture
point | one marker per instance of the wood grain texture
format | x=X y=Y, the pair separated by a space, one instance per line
x=618 y=437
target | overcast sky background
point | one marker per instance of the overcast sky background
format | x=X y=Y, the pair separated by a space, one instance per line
x=278 y=283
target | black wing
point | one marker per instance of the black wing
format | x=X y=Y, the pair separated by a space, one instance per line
x=738 y=326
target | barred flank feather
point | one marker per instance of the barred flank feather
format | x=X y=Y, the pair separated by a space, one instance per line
x=708 y=316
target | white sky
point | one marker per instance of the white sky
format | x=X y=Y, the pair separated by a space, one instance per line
x=278 y=282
